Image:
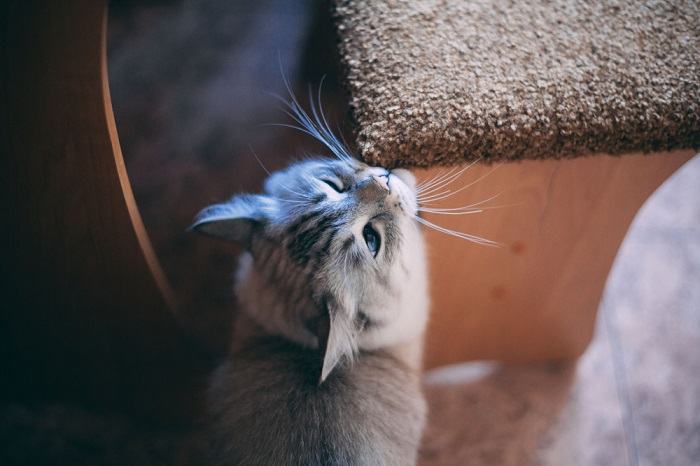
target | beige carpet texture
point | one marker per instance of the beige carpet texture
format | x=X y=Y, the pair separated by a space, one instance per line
x=440 y=82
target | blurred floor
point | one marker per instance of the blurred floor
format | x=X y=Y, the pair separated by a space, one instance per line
x=632 y=399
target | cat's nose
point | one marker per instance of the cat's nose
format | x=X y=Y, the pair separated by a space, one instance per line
x=382 y=180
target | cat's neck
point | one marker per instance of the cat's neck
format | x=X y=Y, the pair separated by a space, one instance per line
x=409 y=352
x=246 y=331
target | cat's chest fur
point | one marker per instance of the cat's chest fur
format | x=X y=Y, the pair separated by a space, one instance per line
x=267 y=407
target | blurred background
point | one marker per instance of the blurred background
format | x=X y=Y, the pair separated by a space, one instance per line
x=193 y=88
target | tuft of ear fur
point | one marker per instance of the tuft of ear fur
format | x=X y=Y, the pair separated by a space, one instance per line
x=337 y=337
x=235 y=219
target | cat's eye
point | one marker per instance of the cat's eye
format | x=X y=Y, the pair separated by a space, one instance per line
x=333 y=184
x=372 y=239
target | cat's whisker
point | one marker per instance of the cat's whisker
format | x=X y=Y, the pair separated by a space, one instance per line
x=250 y=146
x=444 y=181
x=441 y=181
x=287 y=125
x=420 y=185
x=317 y=127
x=468 y=206
x=463 y=187
x=463 y=212
x=325 y=124
x=432 y=191
x=422 y=199
x=321 y=124
x=304 y=120
x=425 y=184
x=467 y=211
x=447 y=179
x=342 y=137
x=307 y=127
x=458 y=234
x=434 y=195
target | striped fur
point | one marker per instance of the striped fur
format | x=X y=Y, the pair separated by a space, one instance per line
x=309 y=279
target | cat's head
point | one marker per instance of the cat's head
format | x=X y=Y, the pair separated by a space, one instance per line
x=334 y=256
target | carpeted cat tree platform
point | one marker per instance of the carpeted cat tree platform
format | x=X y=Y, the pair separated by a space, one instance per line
x=446 y=82
x=443 y=82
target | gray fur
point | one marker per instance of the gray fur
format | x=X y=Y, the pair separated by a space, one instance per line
x=327 y=353
x=267 y=408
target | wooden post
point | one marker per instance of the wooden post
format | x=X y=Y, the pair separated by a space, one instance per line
x=536 y=298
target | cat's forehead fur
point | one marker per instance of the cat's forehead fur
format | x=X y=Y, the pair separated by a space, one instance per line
x=303 y=178
x=363 y=190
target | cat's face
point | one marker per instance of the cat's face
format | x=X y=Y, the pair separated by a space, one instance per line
x=336 y=258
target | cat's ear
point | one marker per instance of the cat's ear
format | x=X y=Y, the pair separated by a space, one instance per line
x=337 y=336
x=235 y=219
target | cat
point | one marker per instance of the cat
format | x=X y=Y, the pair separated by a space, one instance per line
x=325 y=365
